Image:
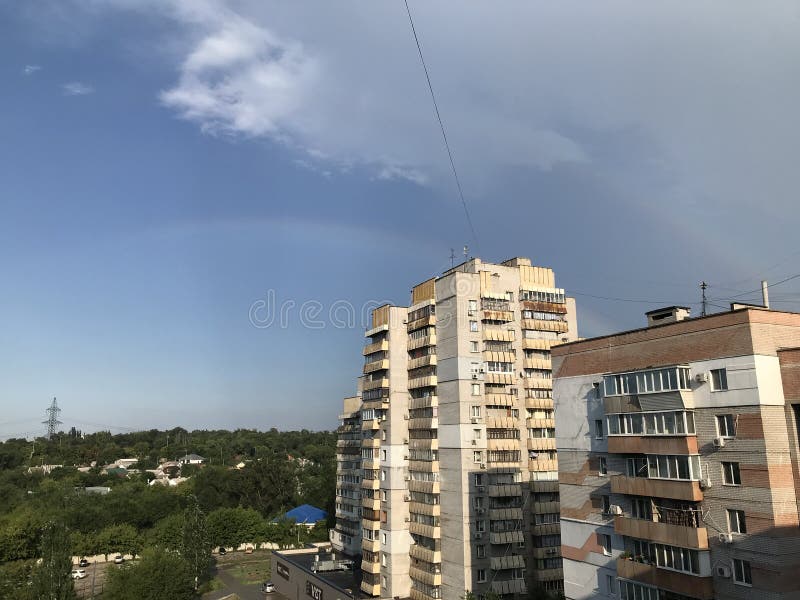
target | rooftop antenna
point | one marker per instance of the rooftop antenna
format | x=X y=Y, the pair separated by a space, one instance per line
x=452 y=258
x=52 y=418
x=703 y=286
x=466 y=251
x=765 y=293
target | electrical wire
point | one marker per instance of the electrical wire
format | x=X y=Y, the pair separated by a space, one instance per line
x=444 y=134
x=614 y=299
x=758 y=289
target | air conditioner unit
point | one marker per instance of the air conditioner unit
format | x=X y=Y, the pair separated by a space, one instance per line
x=405 y=456
x=407 y=519
x=723 y=571
x=474 y=375
x=719 y=442
x=615 y=509
x=481 y=371
x=478 y=536
x=405 y=416
x=483 y=465
x=474 y=420
x=725 y=538
x=701 y=377
x=480 y=488
x=405 y=440
x=480 y=511
x=407 y=478
x=407 y=498
x=705 y=483
x=550 y=551
x=474 y=442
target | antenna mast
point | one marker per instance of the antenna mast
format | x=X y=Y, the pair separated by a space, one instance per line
x=52 y=419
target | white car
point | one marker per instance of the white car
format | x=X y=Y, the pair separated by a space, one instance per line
x=78 y=574
x=118 y=559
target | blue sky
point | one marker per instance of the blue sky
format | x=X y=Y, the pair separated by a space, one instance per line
x=164 y=165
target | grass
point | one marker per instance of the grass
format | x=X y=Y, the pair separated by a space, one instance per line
x=251 y=571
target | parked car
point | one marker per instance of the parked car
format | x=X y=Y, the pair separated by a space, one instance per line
x=118 y=559
x=83 y=563
x=267 y=587
x=222 y=551
x=78 y=574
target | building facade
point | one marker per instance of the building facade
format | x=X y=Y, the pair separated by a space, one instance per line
x=678 y=458
x=458 y=471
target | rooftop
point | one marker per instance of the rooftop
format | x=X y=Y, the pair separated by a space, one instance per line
x=308 y=559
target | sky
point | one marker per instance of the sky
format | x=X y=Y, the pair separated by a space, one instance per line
x=200 y=200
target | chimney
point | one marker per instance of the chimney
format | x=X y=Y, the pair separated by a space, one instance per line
x=670 y=314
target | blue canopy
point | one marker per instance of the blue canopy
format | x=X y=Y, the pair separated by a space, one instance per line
x=306 y=514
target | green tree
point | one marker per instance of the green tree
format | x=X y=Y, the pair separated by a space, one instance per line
x=120 y=538
x=159 y=574
x=235 y=526
x=167 y=533
x=51 y=579
x=196 y=546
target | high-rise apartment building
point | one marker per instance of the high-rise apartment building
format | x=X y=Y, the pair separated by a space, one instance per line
x=678 y=458
x=458 y=470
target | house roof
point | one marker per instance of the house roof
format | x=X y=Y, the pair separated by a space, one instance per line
x=192 y=457
x=306 y=513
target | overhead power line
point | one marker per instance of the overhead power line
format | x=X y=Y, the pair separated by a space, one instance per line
x=444 y=134
x=758 y=289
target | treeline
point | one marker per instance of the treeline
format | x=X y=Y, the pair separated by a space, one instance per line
x=239 y=505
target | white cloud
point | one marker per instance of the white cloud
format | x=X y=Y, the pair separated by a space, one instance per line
x=31 y=69
x=76 y=88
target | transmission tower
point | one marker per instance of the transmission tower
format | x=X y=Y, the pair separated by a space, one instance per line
x=52 y=418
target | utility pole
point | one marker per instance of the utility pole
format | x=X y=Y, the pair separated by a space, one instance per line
x=703 y=287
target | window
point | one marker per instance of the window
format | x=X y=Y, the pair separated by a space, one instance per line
x=383 y=495
x=476 y=433
x=383 y=558
x=385 y=582
x=480 y=551
x=647 y=382
x=383 y=538
x=719 y=379
x=477 y=501
x=673 y=467
x=605 y=542
x=475 y=412
x=383 y=475
x=473 y=326
x=741 y=572
x=480 y=526
x=481 y=574
x=611 y=585
x=383 y=454
x=476 y=456
x=726 y=426
x=736 y=521
x=606 y=504
x=479 y=479
x=598 y=429
x=383 y=434
x=603 y=468
x=473 y=307
x=730 y=473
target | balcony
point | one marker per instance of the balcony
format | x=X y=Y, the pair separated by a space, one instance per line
x=546 y=529
x=541 y=325
x=416 y=594
x=370 y=545
x=381 y=346
x=506 y=537
x=541 y=443
x=421 y=508
x=497 y=335
x=370 y=524
x=371 y=443
x=502 y=563
x=547 y=574
x=537 y=363
x=542 y=403
x=537 y=383
x=426 y=402
x=427 y=340
x=539 y=487
x=505 y=514
x=505 y=316
x=383 y=382
x=370 y=463
x=540 y=423
x=543 y=465
x=377 y=365
x=664 y=533
x=657 y=488
x=428 y=531
x=501 y=491
x=424 y=576
x=422 y=361
x=426 y=554
x=502 y=423
x=504 y=357
x=420 y=382
x=420 y=323
x=424 y=423
x=502 y=444
x=427 y=487
x=371 y=503
x=550 y=307
x=546 y=507
x=424 y=466
x=652 y=444
x=370 y=425
x=673 y=581
x=510 y=586
x=534 y=344
x=424 y=444
x=371 y=589
x=499 y=378
x=500 y=400
x=370 y=484
x=551 y=552
x=370 y=567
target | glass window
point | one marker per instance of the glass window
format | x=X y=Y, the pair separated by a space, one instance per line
x=473 y=346
x=605 y=542
x=598 y=429
x=481 y=574
x=719 y=379
x=726 y=426
x=611 y=585
x=603 y=469
x=741 y=572
x=473 y=326
x=730 y=473
x=736 y=521
x=480 y=551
